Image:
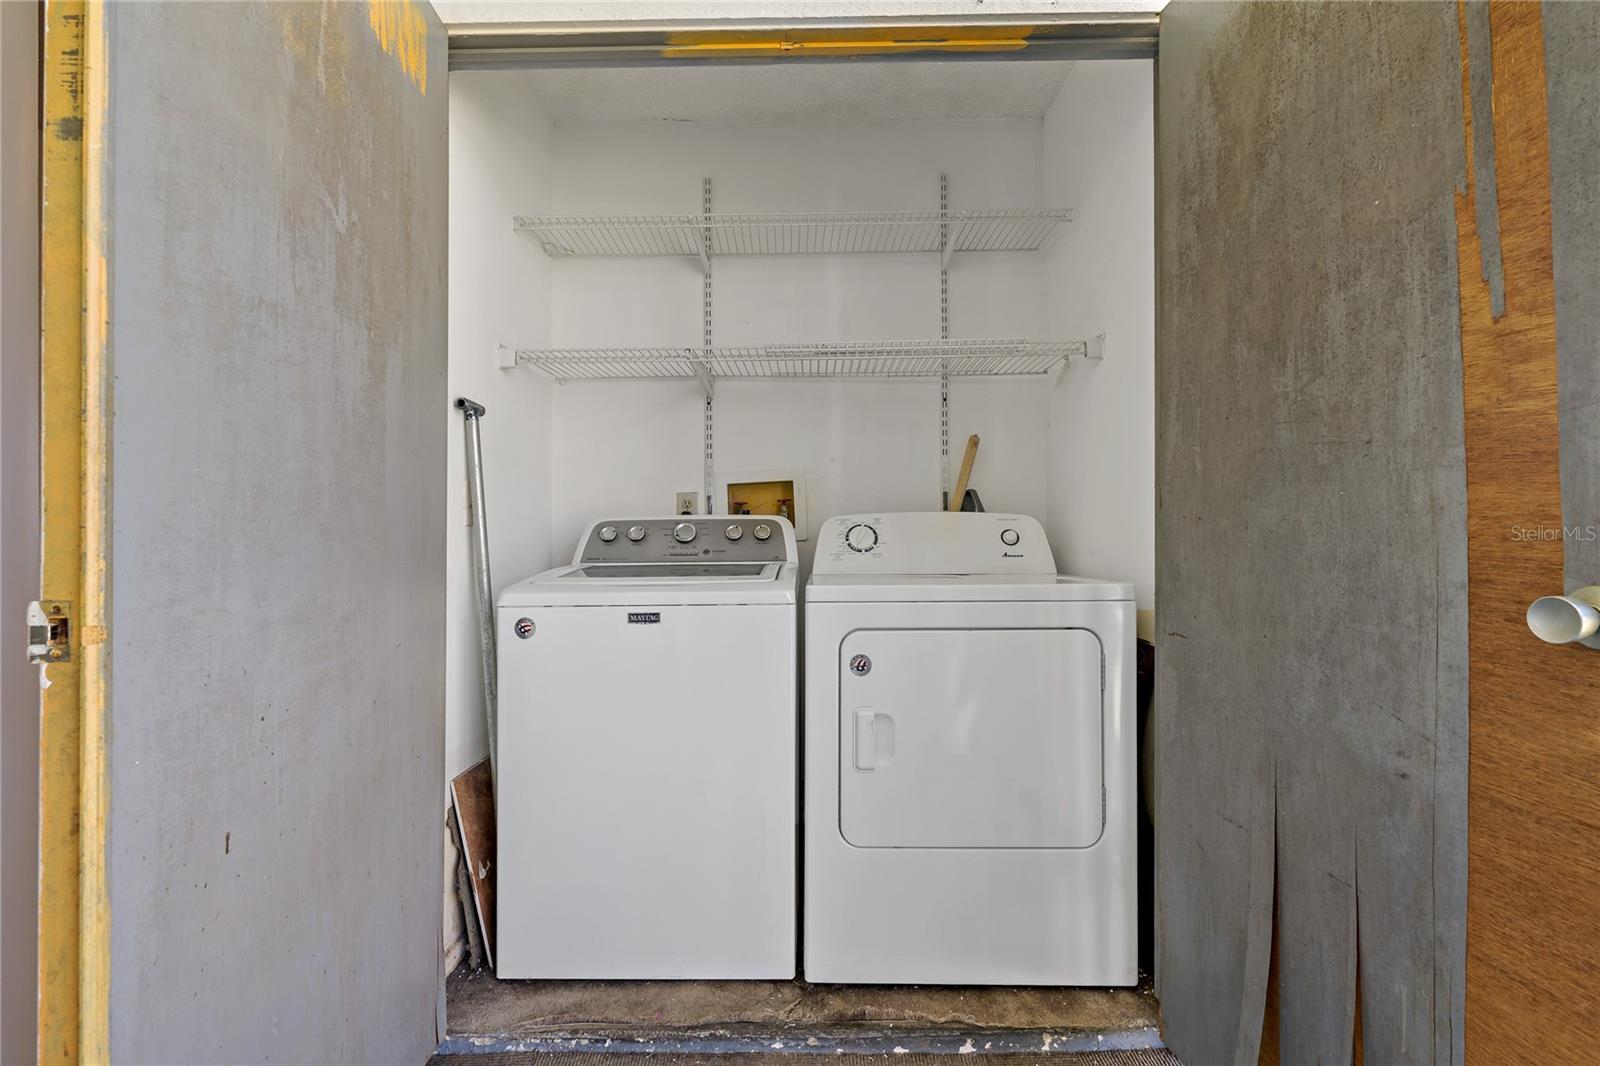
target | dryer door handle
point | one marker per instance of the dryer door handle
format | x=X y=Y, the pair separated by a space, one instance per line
x=874 y=740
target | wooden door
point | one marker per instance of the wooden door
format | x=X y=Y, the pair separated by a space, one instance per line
x=1379 y=794
x=242 y=789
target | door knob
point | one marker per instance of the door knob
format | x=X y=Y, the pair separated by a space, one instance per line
x=1567 y=619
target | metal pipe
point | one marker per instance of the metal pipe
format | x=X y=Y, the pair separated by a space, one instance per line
x=472 y=414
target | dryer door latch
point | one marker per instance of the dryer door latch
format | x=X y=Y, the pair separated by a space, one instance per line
x=49 y=631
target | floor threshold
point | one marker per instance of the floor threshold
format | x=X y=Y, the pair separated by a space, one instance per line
x=769 y=1019
x=851 y=1042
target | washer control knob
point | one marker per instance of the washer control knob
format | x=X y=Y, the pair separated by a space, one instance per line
x=684 y=532
x=861 y=538
x=608 y=533
x=636 y=533
x=733 y=532
x=1009 y=537
x=762 y=532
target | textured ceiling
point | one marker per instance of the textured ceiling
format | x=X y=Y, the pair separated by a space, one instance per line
x=825 y=92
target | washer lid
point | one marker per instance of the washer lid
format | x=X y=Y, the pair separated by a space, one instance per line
x=924 y=588
x=655 y=572
x=655 y=584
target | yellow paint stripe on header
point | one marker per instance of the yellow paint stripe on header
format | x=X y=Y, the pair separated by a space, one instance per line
x=856 y=41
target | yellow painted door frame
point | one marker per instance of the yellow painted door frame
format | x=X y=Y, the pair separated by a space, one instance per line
x=1059 y=35
x=74 y=927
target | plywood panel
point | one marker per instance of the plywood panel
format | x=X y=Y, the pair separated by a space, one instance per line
x=1311 y=544
x=472 y=792
x=277 y=184
x=1532 y=988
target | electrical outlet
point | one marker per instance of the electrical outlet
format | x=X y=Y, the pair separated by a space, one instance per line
x=688 y=503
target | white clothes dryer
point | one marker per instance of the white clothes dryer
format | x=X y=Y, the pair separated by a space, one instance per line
x=969 y=758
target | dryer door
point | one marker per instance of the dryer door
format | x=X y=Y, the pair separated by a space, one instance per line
x=970 y=738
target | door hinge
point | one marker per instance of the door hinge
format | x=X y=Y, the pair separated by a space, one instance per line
x=49 y=631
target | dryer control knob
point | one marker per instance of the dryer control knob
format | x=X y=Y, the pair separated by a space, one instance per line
x=684 y=532
x=733 y=532
x=608 y=533
x=861 y=538
x=635 y=533
x=763 y=531
x=1009 y=537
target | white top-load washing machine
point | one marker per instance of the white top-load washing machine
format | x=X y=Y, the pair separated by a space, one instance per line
x=647 y=758
x=970 y=762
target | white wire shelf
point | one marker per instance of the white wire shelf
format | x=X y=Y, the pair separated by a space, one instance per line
x=839 y=233
x=872 y=359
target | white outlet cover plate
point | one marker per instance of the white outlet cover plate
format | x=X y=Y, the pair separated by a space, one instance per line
x=802 y=529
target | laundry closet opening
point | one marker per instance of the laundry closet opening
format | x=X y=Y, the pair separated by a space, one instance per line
x=795 y=291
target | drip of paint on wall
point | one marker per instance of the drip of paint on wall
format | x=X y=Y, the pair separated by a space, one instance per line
x=403 y=33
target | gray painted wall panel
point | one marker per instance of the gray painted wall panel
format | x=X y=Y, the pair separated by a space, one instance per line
x=277 y=250
x=19 y=525
x=1311 y=529
x=1572 y=43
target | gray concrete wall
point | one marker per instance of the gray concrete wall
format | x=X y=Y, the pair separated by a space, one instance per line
x=19 y=524
x=1310 y=530
x=277 y=285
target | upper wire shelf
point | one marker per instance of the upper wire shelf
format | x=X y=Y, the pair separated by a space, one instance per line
x=837 y=233
x=874 y=359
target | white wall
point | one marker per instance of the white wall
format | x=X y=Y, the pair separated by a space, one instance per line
x=1079 y=454
x=621 y=448
x=499 y=293
x=1099 y=159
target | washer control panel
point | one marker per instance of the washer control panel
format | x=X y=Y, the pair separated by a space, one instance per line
x=933 y=542
x=705 y=538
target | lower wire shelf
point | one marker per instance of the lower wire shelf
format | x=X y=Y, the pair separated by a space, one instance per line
x=872 y=359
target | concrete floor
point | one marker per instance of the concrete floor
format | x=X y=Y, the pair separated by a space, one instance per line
x=1148 y=1057
x=698 y=1017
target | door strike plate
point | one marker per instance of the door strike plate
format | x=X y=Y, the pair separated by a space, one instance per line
x=49 y=631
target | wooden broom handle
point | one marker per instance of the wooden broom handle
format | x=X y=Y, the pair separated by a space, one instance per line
x=954 y=503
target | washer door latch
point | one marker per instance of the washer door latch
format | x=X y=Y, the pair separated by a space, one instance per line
x=49 y=631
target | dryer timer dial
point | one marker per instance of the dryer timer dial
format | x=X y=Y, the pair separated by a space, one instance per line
x=861 y=538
